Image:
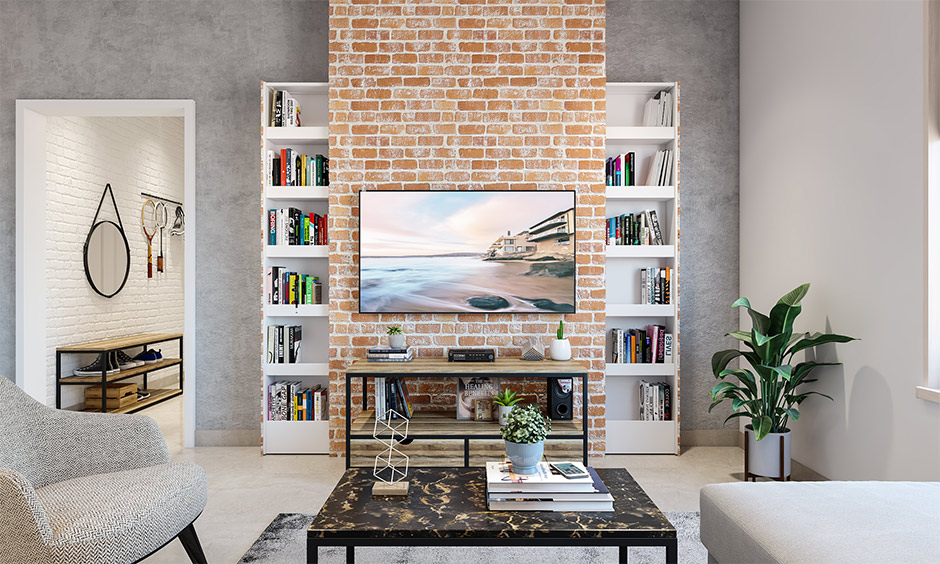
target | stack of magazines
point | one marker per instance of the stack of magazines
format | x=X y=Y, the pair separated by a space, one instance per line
x=546 y=490
x=384 y=354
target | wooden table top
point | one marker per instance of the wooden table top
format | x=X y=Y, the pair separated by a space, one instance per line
x=120 y=342
x=451 y=503
x=440 y=365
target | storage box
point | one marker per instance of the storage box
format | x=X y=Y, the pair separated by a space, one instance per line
x=119 y=394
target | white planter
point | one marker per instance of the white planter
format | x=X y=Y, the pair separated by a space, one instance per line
x=503 y=412
x=396 y=341
x=560 y=349
x=763 y=456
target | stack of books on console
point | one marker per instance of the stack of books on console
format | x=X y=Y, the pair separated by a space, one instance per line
x=546 y=490
x=384 y=354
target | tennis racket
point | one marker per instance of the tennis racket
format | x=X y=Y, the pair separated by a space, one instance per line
x=148 y=220
x=162 y=217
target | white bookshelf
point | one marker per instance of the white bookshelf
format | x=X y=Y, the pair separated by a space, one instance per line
x=296 y=437
x=626 y=433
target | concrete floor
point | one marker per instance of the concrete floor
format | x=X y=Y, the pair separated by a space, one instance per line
x=247 y=490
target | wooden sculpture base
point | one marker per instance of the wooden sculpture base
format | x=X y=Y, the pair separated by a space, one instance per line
x=386 y=489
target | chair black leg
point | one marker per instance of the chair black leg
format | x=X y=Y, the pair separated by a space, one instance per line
x=191 y=543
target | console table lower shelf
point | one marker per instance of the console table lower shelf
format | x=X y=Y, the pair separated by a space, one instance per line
x=427 y=517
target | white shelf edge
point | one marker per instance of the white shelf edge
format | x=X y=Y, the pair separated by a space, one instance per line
x=297 y=369
x=297 y=192
x=307 y=310
x=297 y=251
x=311 y=134
x=640 y=369
x=643 y=193
x=641 y=310
x=641 y=251
x=641 y=134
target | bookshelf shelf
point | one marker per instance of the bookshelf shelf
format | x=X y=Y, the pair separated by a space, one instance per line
x=296 y=251
x=641 y=369
x=641 y=251
x=626 y=111
x=295 y=437
x=297 y=192
x=641 y=193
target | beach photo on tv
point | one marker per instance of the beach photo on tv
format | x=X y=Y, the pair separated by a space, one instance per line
x=466 y=251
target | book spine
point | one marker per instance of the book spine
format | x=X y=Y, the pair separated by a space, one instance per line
x=278 y=108
x=632 y=159
x=283 y=162
x=655 y=221
x=667 y=348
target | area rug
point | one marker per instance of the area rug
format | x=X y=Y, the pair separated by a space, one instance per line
x=284 y=542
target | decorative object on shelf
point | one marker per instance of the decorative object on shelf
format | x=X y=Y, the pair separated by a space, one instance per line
x=505 y=401
x=770 y=397
x=390 y=432
x=396 y=337
x=560 y=349
x=561 y=398
x=534 y=350
x=470 y=389
x=525 y=432
x=483 y=409
x=107 y=255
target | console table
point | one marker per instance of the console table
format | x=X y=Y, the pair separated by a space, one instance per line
x=444 y=425
x=113 y=345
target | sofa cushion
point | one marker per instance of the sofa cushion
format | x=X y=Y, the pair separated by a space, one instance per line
x=122 y=516
x=811 y=522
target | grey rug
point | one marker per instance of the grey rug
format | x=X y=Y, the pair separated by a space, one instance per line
x=284 y=542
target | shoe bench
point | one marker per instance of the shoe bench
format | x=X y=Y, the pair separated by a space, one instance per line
x=108 y=346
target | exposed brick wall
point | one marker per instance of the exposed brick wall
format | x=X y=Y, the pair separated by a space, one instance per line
x=133 y=155
x=466 y=95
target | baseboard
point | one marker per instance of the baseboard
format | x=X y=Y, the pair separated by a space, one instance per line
x=709 y=437
x=227 y=437
x=798 y=471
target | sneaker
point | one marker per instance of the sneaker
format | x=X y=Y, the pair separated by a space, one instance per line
x=95 y=368
x=125 y=362
x=141 y=394
x=149 y=356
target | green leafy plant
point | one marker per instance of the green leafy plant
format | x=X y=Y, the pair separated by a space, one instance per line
x=525 y=424
x=394 y=330
x=561 y=329
x=506 y=398
x=769 y=393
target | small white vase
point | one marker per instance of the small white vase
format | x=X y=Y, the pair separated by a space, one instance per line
x=396 y=341
x=503 y=411
x=560 y=349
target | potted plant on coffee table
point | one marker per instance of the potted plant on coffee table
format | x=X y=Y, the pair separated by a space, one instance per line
x=396 y=337
x=524 y=432
x=505 y=400
x=770 y=392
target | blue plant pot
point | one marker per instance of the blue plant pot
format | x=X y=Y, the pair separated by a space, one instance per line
x=524 y=457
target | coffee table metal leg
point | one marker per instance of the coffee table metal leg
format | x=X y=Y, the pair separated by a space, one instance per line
x=623 y=555
x=313 y=554
x=350 y=554
x=672 y=551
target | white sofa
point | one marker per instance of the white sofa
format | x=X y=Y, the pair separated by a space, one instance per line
x=821 y=522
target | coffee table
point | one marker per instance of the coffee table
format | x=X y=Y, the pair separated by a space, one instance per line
x=447 y=507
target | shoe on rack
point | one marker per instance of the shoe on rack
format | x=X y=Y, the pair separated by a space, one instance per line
x=125 y=362
x=149 y=356
x=113 y=361
x=141 y=394
x=95 y=368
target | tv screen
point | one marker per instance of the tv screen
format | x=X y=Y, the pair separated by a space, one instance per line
x=466 y=252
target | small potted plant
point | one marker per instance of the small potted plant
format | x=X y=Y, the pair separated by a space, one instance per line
x=770 y=391
x=396 y=337
x=524 y=432
x=505 y=400
x=560 y=349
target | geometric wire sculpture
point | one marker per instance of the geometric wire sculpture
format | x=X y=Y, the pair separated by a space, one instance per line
x=388 y=464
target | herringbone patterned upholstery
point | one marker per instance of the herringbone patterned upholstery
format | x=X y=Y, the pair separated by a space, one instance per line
x=87 y=487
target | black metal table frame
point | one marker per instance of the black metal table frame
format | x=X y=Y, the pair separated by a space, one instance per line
x=59 y=382
x=671 y=544
x=466 y=438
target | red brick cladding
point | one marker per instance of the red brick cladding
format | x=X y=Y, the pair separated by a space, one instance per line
x=468 y=95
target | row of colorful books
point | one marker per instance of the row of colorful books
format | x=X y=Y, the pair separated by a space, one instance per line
x=621 y=170
x=641 y=228
x=282 y=287
x=392 y=394
x=285 y=110
x=290 y=401
x=652 y=345
x=655 y=401
x=290 y=167
x=291 y=226
x=656 y=285
x=546 y=490
x=283 y=344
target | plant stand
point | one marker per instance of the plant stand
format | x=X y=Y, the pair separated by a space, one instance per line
x=753 y=477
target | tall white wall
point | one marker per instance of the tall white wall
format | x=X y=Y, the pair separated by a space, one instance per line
x=133 y=155
x=832 y=193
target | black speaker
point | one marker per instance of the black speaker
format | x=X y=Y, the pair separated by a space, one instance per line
x=560 y=393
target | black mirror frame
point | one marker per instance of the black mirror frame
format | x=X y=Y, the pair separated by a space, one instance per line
x=127 y=251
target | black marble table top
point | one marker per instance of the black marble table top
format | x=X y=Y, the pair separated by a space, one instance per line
x=450 y=503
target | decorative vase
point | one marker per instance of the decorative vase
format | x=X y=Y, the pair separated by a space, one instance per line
x=396 y=341
x=763 y=456
x=503 y=411
x=524 y=457
x=560 y=349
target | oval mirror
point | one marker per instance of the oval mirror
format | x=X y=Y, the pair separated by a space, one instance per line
x=107 y=258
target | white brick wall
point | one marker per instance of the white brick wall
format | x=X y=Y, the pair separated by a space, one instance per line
x=133 y=155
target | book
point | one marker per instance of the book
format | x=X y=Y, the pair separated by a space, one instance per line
x=473 y=388
x=501 y=479
x=538 y=505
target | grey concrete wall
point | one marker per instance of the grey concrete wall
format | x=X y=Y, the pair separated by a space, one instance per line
x=215 y=52
x=696 y=43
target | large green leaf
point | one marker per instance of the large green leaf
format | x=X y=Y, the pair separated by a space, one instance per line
x=803 y=369
x=817 y=339
x=738 y=414
x=762 y=426
x=721 y=359
x=743 y=375
x=784 y=371
x=798 y=399
x=761 y=322
x=782 y=316
x=794 y=296
x=792 y=413
x=742 y=336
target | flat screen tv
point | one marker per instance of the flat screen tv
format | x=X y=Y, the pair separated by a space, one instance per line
x=466 y=251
